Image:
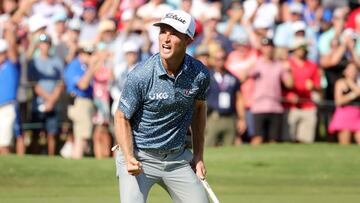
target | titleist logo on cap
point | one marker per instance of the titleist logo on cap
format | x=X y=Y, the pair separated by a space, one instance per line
x=175 y=17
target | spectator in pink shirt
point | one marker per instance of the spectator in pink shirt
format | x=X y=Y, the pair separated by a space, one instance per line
x=101 y=135
x=238 y=63
x=268 y=75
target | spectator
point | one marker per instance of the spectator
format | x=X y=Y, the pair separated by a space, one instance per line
x=46 y=72
x=57 y=32
x=134 y=31
x=312 y=14
x=232 y=27
x=302 y=116
x=268 y=75
x=71 y=38
x=258 y=28
x=238 y=63
x=9 y=81
x=78 y=78
x=334 y=54
x=346 y=119
x=120 y=72
x=90 y=22
x=284 y=33
x=202 y=54
x=48 y=8
x=210 y=36
x=101 y=119
x=225 y=105
x=285 y=14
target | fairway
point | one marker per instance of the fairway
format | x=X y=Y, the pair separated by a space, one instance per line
x=276 y=173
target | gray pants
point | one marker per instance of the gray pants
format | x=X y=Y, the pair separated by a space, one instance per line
x=171 y=171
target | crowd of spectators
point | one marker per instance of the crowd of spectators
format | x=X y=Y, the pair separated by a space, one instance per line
x=281 y=70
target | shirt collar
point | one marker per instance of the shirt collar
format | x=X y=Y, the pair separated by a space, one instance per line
x=160 y=69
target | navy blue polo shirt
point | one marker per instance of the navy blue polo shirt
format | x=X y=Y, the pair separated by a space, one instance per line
x=228 y=84
x=159 y=106
x=72 y=74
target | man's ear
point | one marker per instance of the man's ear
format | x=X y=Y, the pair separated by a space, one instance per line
x=188 y=40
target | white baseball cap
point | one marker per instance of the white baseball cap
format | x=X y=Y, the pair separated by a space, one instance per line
x=298 y=26
x=296 y=8
x=130 y=46
x=180 y=21
x=37 y=22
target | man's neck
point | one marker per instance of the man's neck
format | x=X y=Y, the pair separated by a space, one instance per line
x=172 y=66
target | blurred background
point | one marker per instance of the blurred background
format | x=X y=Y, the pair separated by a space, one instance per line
x=281 y=70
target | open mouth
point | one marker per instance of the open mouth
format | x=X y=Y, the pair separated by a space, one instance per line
x=166 y=48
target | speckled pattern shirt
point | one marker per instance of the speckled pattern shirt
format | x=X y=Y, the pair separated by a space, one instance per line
x=159 y=106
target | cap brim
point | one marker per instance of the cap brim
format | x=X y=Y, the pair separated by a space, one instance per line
x=158 y=24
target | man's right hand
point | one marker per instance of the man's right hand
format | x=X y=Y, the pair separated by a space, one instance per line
x=133 y=166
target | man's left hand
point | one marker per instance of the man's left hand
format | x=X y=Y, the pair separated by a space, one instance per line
x=199 y=168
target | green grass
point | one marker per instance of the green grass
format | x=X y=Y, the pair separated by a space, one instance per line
x=265 y=174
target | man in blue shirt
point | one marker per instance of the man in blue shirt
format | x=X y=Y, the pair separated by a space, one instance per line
x=9 y=82
x=226 y=116
x=78 y=77
x=162 y=97
x=46 y=71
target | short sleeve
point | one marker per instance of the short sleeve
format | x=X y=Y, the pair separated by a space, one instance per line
x=131 y=96
x=204 y=87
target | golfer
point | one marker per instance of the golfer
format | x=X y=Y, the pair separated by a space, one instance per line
x=162 y=97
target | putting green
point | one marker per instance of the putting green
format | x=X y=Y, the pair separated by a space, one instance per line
x=273 y=173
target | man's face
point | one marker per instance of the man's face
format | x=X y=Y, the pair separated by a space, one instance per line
x=131 y=57
x=219 y=60
x=171 y=42
x=267 y=50
x=44 y=47
x=300 y=52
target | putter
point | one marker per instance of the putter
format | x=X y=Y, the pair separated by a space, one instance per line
x=209 y=190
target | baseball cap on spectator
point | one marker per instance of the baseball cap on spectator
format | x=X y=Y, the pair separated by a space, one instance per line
x=262 y=23
x=267 y=41
x=327 y=16
x=3 y=45
x=89 y=4
x=180 y=21
x=44 y=38
x=242 y=40
x=299 y=42
x=107 y=25
x=296 y=8
x=130 y=46
x=298 y=26
x=37 y=22
x=86 y=47
x=74 y=24
x=59 y=17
